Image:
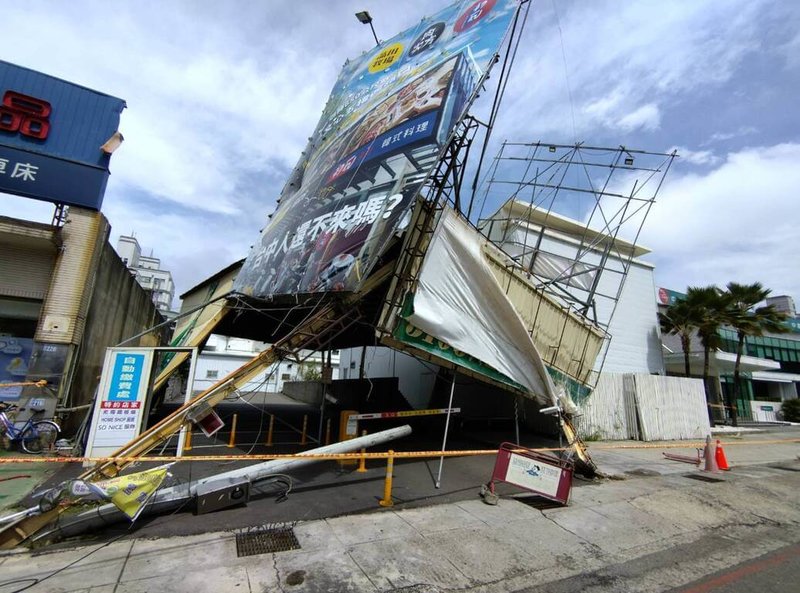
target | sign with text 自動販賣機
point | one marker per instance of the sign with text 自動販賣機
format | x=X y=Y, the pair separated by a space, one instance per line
x=51 y=134
x=119 y=410
x=380 y=135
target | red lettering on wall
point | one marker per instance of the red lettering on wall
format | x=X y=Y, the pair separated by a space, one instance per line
x=26 y=115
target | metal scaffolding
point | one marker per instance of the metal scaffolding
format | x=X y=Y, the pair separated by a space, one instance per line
x=571 y=217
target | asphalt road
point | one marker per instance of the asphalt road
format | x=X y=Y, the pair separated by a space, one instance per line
x=775 y=572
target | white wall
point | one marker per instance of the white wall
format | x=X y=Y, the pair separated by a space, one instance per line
x=415 y=379
x=223 y=355
x=635 y=334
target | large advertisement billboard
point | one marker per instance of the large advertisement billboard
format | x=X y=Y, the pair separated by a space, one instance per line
x=51 y=133
x=390 y=112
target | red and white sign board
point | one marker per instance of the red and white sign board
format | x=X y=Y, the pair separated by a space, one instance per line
x=542 y=474
x=120 y=405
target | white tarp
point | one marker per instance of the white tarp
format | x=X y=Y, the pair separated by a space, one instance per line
x=459 y=301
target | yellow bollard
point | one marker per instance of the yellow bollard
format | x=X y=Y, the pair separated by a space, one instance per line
x=271 y=428
x=187 y=442
x=328 y=432
x=305 y=430
x=232 y=441
x=386 y=501
x=362 y=462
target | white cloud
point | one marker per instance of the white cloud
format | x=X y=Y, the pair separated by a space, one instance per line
x=722 y=136
x=624 y=61
x=222 y=96
x=646 y=117
x=696 y=157
x=735 y=223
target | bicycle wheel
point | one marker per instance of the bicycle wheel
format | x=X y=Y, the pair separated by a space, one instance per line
x=41 y=436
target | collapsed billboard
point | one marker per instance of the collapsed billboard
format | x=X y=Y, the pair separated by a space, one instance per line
x=380 y=135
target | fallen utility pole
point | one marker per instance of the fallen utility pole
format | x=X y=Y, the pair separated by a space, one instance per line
x=326 y=323
x=174 y=497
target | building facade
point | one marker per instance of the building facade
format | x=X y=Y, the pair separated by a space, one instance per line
x=222 y=355
x=65 y=296
x=769 y=366
x=148 y=273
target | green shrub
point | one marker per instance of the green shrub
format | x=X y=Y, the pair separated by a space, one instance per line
x=791 y=410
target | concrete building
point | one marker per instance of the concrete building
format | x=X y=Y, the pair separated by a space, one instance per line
x=148 y=273
x=65 y=296
x=222 y=355
x=769 y=367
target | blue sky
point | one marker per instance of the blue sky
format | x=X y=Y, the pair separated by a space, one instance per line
x=223 y=96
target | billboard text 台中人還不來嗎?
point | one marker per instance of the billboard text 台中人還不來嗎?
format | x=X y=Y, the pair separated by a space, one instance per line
x=380 y=135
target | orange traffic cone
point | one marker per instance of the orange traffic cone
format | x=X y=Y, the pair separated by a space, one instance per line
x=722 y=461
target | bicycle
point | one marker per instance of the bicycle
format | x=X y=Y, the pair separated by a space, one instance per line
x=34 y=436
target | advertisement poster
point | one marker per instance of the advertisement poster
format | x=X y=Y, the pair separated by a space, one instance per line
x=119 y=409
x=15 y=355
x=532 y=474
x=390 y=112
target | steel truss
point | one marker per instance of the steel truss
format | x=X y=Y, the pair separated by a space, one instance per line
x=610 y=191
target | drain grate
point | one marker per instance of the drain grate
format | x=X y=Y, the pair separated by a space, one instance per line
x=266 y=540
x=703 y=478
x=538 y=502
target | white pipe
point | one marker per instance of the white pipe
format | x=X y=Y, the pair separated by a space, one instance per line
x=446 y=428
x=169 y=499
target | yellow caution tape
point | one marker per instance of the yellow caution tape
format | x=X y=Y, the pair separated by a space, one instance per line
x=375 y=455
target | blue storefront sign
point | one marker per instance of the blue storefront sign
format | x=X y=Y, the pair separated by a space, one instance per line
x=51 y=134
x=34 y=175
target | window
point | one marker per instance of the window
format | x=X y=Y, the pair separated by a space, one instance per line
x=286 y=377
x=211 y=374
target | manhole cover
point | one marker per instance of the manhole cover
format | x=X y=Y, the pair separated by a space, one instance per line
x=266 y=540
x=704 y=478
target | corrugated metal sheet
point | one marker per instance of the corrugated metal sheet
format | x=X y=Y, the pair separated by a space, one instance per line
x=650 y=407
x=64 y=311
x=671 y=408
x=80 y=122
x=604 y=414
x=563 y=339
x=25 y=271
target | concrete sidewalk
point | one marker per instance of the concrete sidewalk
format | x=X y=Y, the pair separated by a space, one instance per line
x=470 y=546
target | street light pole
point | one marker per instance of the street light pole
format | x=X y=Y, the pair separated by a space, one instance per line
x=365 y=19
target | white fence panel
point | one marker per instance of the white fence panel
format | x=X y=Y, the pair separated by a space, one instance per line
x=604 y=415
x=646 y=407
x=671 y=408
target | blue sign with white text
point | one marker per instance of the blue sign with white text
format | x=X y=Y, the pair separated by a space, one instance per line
x=126 y=378
x=51 y=134
x=34 y=176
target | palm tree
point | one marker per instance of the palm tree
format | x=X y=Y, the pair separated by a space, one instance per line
x=679 y=320
x=749 y=322
x=709 y=305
